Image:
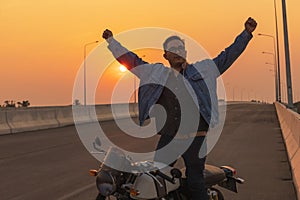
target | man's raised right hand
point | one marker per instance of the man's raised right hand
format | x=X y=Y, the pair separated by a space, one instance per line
x=107 y=34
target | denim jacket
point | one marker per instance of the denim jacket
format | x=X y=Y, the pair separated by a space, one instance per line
x=201 y=76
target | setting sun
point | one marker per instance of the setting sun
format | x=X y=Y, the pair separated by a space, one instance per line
x=122 y=68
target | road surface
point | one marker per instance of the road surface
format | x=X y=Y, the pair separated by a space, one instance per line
x=53 y=163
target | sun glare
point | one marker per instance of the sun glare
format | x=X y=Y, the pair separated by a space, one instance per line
x=122 y=68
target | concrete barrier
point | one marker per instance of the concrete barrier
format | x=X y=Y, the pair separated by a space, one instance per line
x=134 y=110
x=64 y=116
x=13 y=120
x=103 y=112
x=296 y=171
x=30 y=119
x=81 y=114
x=4 y=127
x=120 y=111
x=290 y=128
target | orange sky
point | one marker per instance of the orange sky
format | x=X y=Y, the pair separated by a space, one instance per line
x=42 y=41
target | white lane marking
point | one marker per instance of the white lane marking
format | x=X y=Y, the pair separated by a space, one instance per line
x=78 y=191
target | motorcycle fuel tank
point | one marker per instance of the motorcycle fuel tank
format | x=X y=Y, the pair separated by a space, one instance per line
x=151 y=188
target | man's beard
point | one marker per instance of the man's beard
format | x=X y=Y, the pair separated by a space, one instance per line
x=178 y=63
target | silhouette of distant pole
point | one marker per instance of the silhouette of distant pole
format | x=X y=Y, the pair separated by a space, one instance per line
x=84 y=70
x=277 y=55
x=275 y=70
x=287 y=57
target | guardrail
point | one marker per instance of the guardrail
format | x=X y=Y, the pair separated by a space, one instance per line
x=290 y=128
x=14 y=120
x=4 y=127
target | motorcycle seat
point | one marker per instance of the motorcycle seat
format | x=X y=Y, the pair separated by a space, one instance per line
x=213 y=175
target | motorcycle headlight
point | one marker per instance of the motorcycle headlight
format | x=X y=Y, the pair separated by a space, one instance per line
x=106 y=183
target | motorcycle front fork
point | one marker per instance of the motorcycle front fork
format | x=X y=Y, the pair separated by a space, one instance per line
x=212 y=195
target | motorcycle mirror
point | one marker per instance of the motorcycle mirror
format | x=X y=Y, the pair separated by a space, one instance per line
x=97 y=144
x=97 y=141
x=176 y=173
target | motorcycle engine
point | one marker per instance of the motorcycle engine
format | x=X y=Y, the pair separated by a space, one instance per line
x=106 y=182
x=109 y=179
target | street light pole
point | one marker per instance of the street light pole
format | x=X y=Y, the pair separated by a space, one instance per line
x=267 y=63
x=275 y=70
x=276 y=62
x=277 y=55
x=242 y=89
x=248 y=95
x=84 y=70
x=287 y=57
x=232 y=93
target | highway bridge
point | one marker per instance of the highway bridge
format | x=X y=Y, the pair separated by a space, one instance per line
x=54 y=164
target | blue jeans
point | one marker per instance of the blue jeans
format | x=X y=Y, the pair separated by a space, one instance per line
x=194 y=166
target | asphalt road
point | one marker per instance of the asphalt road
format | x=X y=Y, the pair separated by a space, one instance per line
x=53 y=163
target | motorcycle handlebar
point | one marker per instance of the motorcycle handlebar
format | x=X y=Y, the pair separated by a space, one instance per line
x=164 y=176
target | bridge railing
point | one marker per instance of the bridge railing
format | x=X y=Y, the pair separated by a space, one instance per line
x=14 y=120
x=290 y=128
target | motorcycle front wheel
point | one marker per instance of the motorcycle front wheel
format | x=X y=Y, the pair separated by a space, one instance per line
x=219 y=195
x=176 y=195
x=100 y=197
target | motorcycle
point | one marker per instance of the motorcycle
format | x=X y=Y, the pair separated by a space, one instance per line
x=153 y=180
